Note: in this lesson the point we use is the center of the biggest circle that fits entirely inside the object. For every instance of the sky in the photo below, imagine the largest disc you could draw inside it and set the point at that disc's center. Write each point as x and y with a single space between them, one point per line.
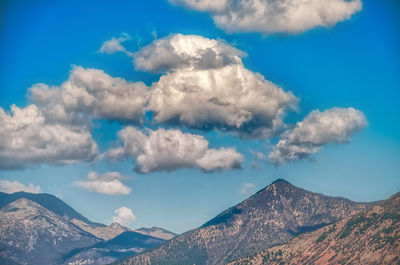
164 113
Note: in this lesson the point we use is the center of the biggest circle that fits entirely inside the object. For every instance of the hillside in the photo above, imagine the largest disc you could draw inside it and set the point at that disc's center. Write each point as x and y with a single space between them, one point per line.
370 237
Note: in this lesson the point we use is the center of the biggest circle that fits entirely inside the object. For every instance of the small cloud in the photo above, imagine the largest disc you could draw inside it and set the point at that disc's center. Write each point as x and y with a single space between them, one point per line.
113 45
257 158
108 183
15 186
259 155
124 216
247 188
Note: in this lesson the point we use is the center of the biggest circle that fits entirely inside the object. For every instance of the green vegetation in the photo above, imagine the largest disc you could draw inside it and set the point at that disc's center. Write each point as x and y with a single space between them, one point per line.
395 217
322 237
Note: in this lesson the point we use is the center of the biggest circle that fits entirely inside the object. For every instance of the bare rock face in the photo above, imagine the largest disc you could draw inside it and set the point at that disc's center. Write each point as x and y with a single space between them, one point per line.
31 234
271 217
369 237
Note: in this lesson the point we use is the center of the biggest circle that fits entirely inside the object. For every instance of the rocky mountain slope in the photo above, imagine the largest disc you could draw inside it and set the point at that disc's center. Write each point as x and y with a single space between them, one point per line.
31 234
369 237
156 232
127 243
272 216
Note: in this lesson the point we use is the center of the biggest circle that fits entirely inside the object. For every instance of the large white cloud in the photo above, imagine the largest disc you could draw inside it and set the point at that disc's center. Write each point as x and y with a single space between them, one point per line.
15 186
28 139
56 128
271 16
317 129
230 98
167 150
108 183
124 216
178 51
91 93
206 86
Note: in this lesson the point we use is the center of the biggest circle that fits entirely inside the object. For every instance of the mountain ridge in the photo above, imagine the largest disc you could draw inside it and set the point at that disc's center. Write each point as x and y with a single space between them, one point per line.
272 216
49 202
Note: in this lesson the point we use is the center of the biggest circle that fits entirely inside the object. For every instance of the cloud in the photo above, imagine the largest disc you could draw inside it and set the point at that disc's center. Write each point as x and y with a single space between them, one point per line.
335 125
246 188
258 159
177 51
124 216
202 5
91 93
108 183
258 155
15 186
114 44
207 87
271 16
231 98
168 150
28 139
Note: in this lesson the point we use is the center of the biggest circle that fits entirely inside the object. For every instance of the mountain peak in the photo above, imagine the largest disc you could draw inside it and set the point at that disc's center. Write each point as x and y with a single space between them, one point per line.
116 225
48 201
22 203
280 182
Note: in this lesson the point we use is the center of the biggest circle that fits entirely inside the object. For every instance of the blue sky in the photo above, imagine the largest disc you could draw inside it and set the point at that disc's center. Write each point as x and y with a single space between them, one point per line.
355 63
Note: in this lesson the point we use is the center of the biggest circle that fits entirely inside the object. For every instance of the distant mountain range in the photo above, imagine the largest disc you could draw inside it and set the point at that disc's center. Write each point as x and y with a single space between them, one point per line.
127 243
271 217
156 232
280 224
42 229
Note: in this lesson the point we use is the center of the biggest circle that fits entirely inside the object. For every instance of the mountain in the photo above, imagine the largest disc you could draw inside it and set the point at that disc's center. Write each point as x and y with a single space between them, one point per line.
50 202
41 229
32 234
271 217
370 237
127 243
157 232
104 232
